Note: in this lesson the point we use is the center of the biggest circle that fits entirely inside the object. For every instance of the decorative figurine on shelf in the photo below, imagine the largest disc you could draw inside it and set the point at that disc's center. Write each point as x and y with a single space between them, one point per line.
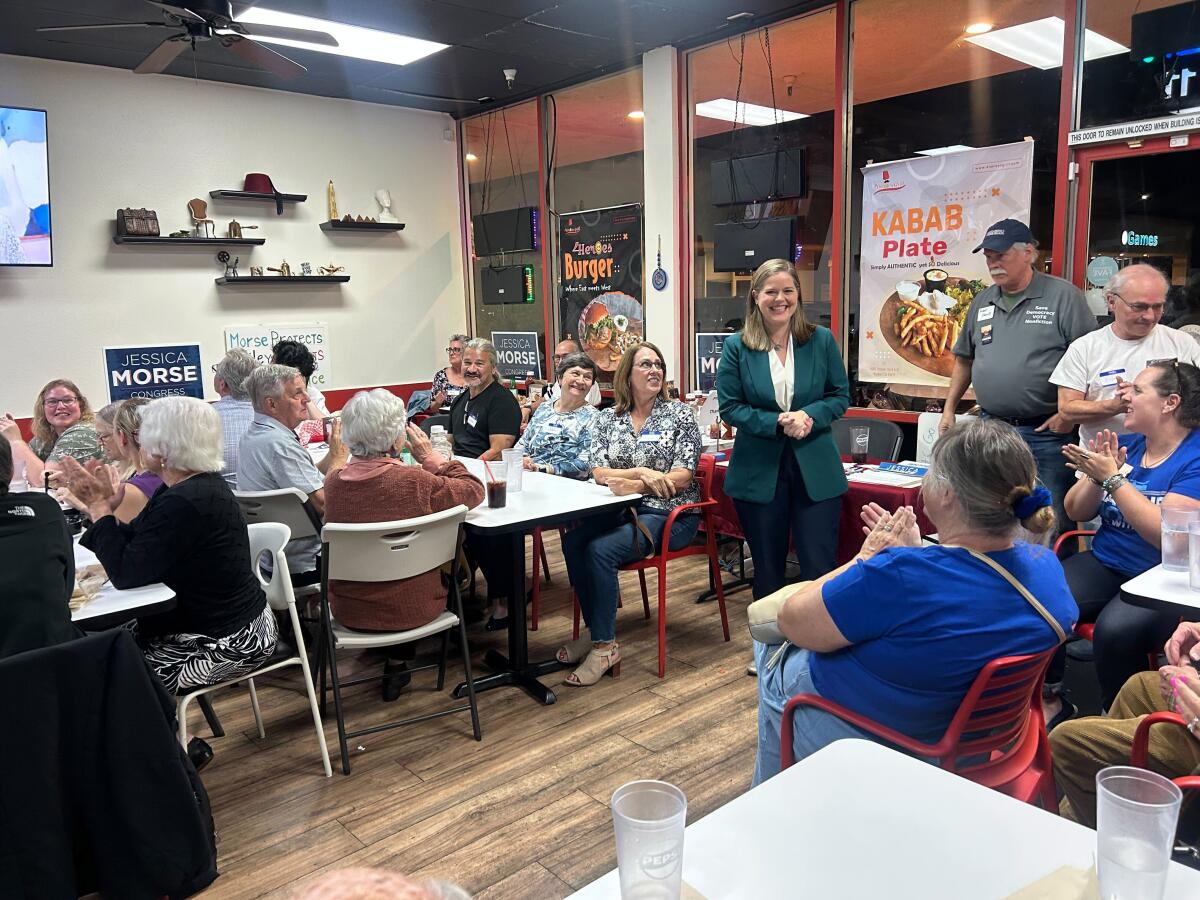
331 269
284 270
230 268
305 269
198 210
182 232
256 271
236 228
384 198
347 218
332 201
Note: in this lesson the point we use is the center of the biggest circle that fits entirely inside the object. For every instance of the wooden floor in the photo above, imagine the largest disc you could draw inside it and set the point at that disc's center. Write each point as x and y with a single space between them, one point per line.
522 814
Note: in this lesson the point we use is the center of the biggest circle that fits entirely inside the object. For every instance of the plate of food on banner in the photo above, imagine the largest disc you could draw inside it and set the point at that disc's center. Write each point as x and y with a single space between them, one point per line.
608 326
921 319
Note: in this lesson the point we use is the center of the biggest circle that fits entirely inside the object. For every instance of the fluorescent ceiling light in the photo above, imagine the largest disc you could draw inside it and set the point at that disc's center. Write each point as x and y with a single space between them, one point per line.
360 43
745 113
1040 43
938 151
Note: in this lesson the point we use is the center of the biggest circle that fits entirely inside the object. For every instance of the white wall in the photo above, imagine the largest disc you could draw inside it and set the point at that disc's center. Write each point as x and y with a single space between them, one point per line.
118 139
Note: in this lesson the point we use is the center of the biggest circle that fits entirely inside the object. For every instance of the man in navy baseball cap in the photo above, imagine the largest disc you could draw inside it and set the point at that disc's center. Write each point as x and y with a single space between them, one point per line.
1004 234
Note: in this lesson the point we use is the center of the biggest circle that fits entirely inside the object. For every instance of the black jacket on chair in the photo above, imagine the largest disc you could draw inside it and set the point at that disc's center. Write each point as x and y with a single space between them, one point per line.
95 792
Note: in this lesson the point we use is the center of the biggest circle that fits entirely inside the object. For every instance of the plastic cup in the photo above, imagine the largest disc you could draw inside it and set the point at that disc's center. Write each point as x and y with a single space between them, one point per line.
514 468
860 439
1175 523
648 819
497 494
1136 814
1194 555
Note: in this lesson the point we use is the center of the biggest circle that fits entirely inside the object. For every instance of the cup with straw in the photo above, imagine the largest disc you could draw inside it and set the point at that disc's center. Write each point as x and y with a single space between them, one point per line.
497 489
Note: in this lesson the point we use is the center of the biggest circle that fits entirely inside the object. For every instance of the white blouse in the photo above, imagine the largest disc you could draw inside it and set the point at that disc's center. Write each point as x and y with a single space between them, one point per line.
783 376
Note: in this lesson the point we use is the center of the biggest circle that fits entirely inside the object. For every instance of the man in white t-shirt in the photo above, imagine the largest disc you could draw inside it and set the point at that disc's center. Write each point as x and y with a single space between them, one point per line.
1092 372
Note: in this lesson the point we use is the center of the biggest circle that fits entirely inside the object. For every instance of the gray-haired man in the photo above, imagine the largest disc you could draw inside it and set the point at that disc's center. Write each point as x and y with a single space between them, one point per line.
234 407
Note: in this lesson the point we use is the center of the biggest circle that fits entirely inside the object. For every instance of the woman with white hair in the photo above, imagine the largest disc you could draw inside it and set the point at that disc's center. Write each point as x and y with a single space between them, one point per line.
192 537
375 486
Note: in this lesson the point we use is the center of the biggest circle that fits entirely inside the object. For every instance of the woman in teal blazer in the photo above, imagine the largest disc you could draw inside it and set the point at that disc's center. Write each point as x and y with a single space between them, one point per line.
781 383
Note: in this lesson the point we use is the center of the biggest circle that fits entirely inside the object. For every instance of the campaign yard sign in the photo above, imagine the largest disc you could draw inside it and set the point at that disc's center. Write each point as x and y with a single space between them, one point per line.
171 370
258 340
517 354
708 357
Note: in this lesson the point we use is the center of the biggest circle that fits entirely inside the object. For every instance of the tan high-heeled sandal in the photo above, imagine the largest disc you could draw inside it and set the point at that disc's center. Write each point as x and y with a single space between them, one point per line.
574 651
598 663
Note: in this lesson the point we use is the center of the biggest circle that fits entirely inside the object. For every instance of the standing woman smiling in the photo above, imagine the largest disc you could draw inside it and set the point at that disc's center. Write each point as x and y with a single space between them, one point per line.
781 383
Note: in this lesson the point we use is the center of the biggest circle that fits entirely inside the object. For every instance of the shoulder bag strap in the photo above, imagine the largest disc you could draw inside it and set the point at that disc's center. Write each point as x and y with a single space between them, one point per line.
1023 591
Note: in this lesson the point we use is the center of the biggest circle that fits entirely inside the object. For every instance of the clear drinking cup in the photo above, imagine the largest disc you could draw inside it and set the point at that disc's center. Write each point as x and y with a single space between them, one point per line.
860 439
1136 813
1175 524
648 818
1194 555
514 467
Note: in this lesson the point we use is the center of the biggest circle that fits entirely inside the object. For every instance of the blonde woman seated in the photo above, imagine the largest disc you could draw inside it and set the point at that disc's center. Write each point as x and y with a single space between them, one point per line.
375 486
899 633
117 428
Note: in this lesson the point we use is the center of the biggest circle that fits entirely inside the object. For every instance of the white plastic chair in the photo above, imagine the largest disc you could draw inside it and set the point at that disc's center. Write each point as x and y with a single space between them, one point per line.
287 506
269 537
390 551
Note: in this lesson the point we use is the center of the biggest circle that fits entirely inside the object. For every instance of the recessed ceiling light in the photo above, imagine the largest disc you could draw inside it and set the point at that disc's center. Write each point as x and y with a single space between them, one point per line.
1145 196
979 28
1040 43
470 157
938 151
354 41
635 114
745 113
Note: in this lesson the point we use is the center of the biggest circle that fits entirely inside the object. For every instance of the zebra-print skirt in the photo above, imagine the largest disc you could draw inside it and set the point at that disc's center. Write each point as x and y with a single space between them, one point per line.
187 661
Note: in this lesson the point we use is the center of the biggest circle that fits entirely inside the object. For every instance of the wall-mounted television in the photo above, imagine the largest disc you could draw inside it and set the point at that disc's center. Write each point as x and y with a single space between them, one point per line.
744 246
24 188
763 176
505 231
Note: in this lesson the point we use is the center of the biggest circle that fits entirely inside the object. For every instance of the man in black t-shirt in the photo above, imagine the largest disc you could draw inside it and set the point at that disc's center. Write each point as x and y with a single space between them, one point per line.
486 418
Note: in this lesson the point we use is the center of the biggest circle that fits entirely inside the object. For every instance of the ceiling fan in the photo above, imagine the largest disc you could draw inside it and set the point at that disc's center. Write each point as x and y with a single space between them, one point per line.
212 20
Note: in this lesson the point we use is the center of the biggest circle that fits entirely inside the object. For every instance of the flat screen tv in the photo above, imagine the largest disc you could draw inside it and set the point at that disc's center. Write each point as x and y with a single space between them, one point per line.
753 179
744 246
24 188
506 231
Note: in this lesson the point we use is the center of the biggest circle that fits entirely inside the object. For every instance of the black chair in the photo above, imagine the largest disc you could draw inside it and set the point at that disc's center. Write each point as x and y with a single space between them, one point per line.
883 442
443 420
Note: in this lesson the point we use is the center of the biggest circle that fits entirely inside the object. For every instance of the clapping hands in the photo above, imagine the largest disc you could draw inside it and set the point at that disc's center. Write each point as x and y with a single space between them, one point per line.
885 529
97 487
1103 458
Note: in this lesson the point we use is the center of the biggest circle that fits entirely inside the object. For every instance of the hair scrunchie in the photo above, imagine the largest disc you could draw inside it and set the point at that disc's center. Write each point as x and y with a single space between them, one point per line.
1027 506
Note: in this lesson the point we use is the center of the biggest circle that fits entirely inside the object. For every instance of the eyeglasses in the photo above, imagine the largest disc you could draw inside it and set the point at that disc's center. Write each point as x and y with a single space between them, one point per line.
647 365
453 350
1140 307
59 401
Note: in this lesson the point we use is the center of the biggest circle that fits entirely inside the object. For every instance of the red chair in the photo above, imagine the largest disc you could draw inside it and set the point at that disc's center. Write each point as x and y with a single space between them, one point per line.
997 737
539 553
658 562
1140 751
1083 629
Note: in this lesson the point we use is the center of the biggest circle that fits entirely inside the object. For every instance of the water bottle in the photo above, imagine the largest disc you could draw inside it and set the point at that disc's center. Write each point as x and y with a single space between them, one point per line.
440 440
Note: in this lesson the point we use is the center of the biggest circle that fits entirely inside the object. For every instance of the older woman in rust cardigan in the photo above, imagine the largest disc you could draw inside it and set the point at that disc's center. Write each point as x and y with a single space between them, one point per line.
375 486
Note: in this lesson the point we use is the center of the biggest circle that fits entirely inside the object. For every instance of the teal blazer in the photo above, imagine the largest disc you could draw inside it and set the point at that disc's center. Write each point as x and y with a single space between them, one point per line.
747 398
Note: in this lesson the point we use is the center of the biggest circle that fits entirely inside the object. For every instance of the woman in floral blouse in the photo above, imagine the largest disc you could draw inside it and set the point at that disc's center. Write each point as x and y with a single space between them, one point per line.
448 382
558 439
644 444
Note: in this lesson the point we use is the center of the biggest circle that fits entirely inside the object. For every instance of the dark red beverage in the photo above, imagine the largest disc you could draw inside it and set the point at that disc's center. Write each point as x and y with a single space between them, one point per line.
497 494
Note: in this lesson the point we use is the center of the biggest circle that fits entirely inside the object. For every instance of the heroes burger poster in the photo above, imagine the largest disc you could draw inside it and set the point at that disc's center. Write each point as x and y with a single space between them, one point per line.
600 299
921 218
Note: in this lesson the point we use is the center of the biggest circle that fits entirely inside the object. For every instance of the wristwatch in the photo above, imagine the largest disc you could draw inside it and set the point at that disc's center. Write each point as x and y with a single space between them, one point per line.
1112 483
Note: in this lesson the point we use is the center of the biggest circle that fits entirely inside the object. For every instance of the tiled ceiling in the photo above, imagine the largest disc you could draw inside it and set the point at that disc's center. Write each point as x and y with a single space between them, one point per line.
550 44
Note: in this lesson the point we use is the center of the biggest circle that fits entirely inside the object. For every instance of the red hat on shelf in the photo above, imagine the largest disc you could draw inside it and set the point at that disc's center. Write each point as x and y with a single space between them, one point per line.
258 183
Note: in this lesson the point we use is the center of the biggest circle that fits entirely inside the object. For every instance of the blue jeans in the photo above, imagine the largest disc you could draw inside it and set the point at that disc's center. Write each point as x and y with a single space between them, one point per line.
599 545
814 729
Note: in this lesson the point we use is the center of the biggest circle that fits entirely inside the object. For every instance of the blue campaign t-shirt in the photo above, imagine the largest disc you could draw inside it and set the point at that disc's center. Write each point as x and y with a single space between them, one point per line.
923 622
1116 544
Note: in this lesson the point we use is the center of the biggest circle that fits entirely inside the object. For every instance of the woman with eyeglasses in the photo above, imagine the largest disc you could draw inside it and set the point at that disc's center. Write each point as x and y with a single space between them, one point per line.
117 427
1129 480
448 382
643 444
63 425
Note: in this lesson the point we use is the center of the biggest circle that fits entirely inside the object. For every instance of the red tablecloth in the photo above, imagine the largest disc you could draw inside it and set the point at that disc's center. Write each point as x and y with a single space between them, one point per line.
850 535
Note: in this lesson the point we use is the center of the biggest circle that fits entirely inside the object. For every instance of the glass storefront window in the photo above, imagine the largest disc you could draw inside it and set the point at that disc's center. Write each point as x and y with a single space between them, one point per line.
501 159
942 91
762 164
1149 66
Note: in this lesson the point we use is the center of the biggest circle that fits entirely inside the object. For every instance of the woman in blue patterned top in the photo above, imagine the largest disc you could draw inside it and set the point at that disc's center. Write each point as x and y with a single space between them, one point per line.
558 439
644 444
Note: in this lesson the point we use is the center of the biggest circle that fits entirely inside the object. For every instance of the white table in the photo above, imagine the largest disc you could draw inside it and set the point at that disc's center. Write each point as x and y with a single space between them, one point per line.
857 819
113 607
545 501
1162 590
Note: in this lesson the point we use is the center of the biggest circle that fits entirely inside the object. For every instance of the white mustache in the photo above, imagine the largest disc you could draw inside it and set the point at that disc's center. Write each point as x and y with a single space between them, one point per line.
997 271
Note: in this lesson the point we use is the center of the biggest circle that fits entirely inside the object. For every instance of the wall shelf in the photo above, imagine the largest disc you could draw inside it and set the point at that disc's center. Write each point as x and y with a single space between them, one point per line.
339 225
285 279
187 241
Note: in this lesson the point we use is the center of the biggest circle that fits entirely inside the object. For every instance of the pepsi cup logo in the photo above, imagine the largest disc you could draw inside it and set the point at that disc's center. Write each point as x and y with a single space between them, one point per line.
661 865
860 440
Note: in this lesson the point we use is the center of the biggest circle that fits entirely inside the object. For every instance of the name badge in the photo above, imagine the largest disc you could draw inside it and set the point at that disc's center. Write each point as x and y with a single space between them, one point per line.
985 313
554 426
1109 378
985 334
649 437
472 421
